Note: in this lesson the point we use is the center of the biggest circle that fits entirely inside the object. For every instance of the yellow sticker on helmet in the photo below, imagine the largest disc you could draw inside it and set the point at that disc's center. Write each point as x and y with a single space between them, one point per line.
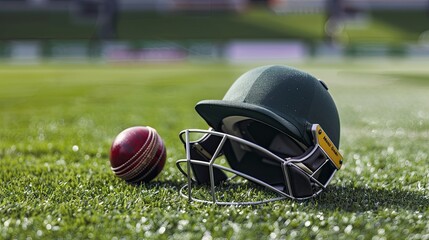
327 146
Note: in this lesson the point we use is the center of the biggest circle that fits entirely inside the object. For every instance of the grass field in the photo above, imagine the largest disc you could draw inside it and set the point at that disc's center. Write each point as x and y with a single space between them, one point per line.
391 27
57 123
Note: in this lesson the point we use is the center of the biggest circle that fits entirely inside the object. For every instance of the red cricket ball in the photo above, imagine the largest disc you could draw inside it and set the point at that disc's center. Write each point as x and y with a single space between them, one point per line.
137 154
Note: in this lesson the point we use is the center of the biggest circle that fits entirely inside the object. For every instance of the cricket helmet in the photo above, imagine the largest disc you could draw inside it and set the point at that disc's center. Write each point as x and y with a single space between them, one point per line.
276 126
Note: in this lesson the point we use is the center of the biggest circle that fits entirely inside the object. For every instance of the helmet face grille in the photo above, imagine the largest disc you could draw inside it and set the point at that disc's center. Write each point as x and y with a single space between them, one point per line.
299 177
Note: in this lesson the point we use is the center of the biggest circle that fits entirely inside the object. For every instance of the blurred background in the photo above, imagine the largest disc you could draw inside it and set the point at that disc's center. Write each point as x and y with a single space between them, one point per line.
32 31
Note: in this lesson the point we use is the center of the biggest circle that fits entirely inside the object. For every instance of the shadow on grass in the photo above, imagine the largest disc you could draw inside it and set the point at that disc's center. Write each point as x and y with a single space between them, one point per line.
360 199
334 198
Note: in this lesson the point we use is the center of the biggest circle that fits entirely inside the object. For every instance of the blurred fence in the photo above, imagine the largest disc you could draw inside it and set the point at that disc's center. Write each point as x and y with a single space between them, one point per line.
233 51
287 6
127 5
213 5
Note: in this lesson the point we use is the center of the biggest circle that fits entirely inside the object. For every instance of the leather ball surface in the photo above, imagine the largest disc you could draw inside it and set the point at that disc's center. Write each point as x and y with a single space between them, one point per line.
137 154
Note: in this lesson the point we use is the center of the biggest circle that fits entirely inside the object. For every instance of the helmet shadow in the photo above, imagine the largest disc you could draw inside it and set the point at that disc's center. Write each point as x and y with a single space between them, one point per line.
362 199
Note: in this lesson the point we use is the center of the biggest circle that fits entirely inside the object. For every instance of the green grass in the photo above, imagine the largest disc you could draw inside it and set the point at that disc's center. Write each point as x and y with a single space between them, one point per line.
50 191
392 27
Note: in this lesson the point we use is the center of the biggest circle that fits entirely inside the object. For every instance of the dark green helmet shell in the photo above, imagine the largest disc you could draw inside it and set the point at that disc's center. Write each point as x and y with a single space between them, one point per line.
280 96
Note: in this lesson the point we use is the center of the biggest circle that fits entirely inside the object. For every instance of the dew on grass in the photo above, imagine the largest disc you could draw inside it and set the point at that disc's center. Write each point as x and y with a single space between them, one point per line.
207 236
60 162
182 224
161 230
75 148
348 229
390 150
7 223
315 228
